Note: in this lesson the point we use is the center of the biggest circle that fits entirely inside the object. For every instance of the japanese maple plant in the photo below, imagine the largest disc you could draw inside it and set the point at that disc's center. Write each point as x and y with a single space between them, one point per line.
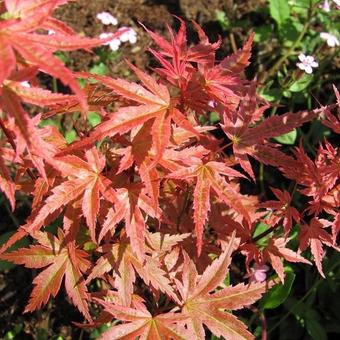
149 203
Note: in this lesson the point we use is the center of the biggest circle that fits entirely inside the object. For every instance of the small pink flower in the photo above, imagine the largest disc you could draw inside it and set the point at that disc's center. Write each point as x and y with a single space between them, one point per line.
331 39
258 274
107 19
307 63
325 6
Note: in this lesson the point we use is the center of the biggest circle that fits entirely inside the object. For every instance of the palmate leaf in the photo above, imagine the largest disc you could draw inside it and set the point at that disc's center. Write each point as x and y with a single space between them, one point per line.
126 118
124 262
204 306
222 82
18 35
177 49
283 209
155 105
315 237
63 260
85 182
247 138
143 325
208 176
36 95
28 137
238 61
276 250
131 201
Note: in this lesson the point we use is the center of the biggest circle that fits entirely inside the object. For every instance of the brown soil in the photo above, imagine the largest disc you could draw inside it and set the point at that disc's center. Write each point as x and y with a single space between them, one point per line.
155 15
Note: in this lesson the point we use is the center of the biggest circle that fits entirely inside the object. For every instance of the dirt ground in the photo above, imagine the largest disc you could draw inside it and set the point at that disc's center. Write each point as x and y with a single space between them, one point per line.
155 15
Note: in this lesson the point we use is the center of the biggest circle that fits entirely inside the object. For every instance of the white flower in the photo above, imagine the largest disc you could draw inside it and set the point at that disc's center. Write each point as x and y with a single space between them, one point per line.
105 35
114 43
25 84
331 39
129 35
337 2
133 38
50 32
307 63
107 19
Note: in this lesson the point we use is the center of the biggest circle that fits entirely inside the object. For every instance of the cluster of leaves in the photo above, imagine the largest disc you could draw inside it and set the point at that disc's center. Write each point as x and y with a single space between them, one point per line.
283 30
149 203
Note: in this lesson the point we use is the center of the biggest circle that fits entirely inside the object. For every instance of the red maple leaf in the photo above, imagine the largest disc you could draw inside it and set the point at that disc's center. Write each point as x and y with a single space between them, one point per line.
18 36
84 181
249 134
314 236
210 175
120 258
282 209
64 260
154 103
140 323
203 305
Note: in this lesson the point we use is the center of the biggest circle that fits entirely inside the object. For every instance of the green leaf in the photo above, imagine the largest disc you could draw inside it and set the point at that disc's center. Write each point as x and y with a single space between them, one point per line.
97 332
49 121
89 246
70 136
262 33
94 118
100 69
9 335
278 294
287 94
300 7
301 83
227 280
289 31
214 337
272 95
259 229
279 10
315 329
287 138
65 58
214 117
81 82
223 20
